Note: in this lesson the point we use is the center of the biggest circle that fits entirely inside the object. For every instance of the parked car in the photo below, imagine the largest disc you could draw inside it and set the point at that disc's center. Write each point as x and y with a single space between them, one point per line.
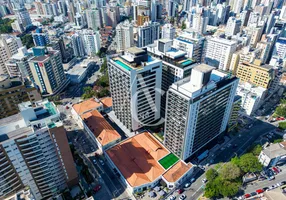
187 185
172 198
193 180
276 169
182 197
259 191
261 178
67 107
204 180
180 191
247 195
283 182
97 188
253 194
94 161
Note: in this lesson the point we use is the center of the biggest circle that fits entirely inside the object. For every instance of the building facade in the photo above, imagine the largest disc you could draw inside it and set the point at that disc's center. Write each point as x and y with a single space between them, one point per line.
148 33
124 36
47 70
168 32
135 79
40 38
198 110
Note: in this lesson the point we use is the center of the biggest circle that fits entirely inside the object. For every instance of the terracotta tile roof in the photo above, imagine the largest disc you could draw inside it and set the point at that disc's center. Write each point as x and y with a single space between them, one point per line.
107 102
101 129
86 106
137 158
177 171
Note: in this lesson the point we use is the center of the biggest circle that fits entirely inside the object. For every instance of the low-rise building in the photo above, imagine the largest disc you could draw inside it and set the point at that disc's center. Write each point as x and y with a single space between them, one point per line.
142 162
274 154
251 97
107 104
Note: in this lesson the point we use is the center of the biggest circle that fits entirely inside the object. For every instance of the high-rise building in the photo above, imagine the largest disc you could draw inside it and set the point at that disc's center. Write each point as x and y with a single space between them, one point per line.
148 33
23 17
112 16
39 8
40 38
141 19
34 152
47 70
63 7
94 19
237 7
200 22
47 9
198 110
124 35
168 31
91 42
172 8
192 43
13 92
233 26
8 47
175 65
71 11
156 10
218 52
79 21
135 81
280 48
78 45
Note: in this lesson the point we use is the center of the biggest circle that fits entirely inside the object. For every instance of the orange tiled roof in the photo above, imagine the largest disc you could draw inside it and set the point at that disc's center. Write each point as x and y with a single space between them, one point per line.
107 102
177 171
101 129
85 106
137 159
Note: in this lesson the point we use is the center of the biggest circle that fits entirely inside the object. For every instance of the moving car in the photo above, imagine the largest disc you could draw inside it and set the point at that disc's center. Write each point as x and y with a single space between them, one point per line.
97 188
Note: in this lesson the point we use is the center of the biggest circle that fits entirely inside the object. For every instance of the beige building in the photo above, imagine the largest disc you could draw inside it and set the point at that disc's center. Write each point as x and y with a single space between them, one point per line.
256 73
13 92
8 47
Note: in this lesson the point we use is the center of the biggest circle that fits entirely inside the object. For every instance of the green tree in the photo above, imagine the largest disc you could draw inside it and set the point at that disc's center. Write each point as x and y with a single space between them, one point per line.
183 25
278 141
103 68
213 188
255 150
249 163
88 93
281 111
27 40
211 174
229 171
103 93
282 125
103 81
235 161
229 188
5 25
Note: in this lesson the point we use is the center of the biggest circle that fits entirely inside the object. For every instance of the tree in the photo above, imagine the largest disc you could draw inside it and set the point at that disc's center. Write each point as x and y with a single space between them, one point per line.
235 161
103 81
255 150
229 188
88 93
249 163
278 141
229 171
282 125
103 68
103 93
27 40
5 25
213 188
281 111
211 174
183 25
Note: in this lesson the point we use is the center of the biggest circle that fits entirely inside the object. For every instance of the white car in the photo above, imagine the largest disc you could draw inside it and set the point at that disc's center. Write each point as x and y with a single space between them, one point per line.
182 197
172 198
187 185
204 180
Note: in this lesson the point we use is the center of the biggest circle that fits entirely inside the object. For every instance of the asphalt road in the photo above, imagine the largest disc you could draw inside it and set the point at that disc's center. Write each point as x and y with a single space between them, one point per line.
243 140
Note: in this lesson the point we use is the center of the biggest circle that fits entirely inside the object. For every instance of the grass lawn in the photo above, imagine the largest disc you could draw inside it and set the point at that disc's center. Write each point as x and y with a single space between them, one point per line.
168 160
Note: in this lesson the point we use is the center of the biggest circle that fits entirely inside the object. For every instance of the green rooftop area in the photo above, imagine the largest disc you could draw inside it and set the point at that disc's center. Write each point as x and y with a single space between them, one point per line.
123 65
52 125
168 160
187 62
51 109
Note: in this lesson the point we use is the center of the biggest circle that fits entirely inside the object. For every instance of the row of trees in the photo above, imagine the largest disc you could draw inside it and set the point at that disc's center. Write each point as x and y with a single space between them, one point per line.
280 110
227 180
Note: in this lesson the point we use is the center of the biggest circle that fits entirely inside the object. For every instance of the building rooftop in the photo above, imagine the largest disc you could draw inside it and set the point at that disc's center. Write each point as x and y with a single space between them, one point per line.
204 68
107 102
4 77
11 119
137 158
224 41
177 171
18 133
86 106
101 129
275 150
135 50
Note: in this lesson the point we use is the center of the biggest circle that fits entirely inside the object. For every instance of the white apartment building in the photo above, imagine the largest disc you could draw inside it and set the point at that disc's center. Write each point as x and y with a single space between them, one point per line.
94 18
124 35
251 97
91 41
77 45
198 110
34 152
148 33
218 52
168 32
233 26
200 23
192 43
135 81
274 154
8 47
